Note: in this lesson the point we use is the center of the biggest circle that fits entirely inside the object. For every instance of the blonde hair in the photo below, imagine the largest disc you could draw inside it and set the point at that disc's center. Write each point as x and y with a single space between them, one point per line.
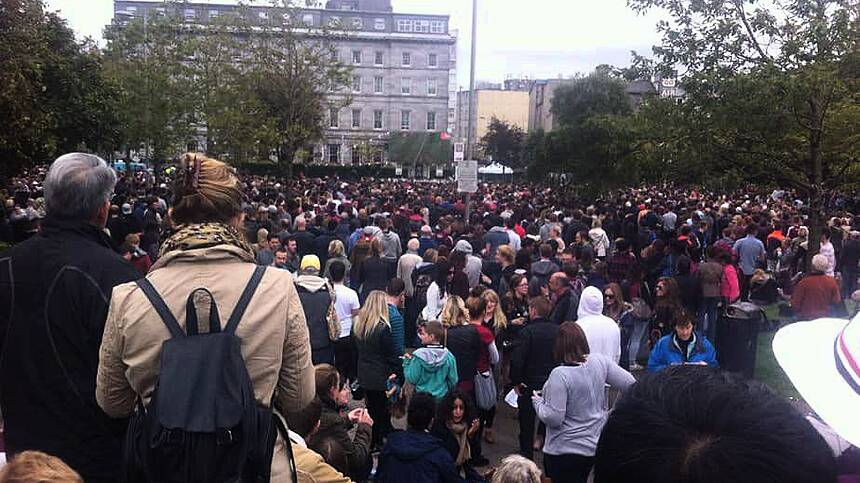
373 313
454 312
335 249
506 252
205 190
35 466
516 469
500 320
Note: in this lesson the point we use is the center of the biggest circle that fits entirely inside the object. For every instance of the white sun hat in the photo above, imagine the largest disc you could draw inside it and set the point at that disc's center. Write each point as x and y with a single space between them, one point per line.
822 359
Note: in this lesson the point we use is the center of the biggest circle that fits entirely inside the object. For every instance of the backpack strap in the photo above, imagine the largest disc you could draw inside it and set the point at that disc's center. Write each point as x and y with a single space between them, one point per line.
160 307
245 299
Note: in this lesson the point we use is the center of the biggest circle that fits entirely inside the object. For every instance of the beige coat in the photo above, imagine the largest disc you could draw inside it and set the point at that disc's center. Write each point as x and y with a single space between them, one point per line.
273 331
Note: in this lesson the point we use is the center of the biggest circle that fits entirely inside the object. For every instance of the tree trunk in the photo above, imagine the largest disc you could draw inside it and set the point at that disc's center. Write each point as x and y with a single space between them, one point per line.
285 161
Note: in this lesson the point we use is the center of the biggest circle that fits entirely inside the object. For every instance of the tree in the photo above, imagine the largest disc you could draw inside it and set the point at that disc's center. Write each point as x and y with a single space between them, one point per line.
594 94
54 96
772 90
504 142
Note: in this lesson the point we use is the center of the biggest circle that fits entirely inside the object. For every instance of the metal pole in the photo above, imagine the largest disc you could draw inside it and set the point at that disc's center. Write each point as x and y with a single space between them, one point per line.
472 99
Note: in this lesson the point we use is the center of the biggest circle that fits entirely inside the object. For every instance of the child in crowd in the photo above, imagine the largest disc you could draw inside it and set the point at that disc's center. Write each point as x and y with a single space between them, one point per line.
432 368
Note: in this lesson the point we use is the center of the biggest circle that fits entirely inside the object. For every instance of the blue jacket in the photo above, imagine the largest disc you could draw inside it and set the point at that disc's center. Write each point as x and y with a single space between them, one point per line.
667 352
415 457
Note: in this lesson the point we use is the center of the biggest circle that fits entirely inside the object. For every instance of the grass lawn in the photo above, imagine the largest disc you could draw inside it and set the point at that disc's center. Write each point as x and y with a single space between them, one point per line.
767 370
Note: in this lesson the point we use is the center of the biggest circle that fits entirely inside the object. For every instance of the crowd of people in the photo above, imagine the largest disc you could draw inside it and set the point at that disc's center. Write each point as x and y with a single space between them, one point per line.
335 307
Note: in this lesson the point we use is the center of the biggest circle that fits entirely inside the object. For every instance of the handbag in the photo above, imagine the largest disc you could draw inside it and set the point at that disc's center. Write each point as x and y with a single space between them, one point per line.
485 390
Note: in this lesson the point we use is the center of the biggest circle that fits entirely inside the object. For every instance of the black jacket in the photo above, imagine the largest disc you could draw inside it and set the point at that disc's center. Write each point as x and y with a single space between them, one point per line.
54 293
532 359
373 274
565 308
377 358
464 342
415 457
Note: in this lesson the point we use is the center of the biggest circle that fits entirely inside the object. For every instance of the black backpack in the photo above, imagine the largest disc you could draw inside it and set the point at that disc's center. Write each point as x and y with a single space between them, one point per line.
202 423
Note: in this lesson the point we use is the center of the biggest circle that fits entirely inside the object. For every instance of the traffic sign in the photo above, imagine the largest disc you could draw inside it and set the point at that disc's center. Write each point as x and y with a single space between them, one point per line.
459 151
467 176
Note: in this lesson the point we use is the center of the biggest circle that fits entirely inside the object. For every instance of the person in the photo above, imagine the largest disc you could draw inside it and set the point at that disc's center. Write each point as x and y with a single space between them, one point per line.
730 290
682 347
750 251
432 367
667 304
438 292
566 301
378 360
825 248
373 271
516 469
208 250
124 225
151 227
456 424
541 270
415 455
473 264
689 287
599 239
137 257
347 308
36 466
689 424
620 264
531 364
336 253
505 257
572 404
318 303
336 423
817 293
426 241
396 292
496 236
405 268
54 289
850 259
265 254
305 240
710 276
488 357
603 333
390 240
463 340
632 323
311 466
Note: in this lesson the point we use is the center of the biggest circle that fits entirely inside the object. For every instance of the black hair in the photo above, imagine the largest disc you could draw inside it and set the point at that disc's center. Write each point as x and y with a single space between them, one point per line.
446 407
699 425
337 271
422 409
304 421
332 452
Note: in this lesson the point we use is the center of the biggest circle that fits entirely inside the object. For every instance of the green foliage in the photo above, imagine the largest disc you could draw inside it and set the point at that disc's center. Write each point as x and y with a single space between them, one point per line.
54 97
593 95
504 142
419 148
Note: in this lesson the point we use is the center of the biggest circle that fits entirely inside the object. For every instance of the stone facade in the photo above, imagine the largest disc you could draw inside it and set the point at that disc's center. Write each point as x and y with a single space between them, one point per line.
511 106
403 70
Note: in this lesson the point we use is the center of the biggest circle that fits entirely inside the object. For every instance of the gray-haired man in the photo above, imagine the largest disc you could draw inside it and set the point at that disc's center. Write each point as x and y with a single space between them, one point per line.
54 293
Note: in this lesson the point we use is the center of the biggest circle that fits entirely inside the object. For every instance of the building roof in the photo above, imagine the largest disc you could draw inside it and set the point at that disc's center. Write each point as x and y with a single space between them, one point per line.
641 87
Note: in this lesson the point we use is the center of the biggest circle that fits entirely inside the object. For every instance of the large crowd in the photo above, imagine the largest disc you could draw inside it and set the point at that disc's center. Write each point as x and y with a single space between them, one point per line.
334 309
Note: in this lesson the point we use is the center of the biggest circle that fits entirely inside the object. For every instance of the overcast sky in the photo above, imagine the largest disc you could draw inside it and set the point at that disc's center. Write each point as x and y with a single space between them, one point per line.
534 38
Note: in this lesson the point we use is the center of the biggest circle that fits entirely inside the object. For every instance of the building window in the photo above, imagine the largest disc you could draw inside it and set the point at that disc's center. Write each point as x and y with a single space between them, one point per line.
377 155
356 155
333 115
452 115
404 25
213 14
406 59
356 118
437 27
160 11
263 15
377 119
406 86
432 60
131 9
356 57
334 22
333 153
379 24
356 83
308 20
377 84
431 87
377 58
422 26
356 23
405 120
431 121
190 14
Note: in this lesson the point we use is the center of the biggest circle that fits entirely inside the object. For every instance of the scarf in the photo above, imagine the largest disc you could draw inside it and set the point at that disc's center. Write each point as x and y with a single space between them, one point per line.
204 235
460 431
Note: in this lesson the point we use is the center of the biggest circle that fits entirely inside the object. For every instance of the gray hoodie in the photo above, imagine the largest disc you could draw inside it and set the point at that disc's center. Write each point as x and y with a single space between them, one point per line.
473 263
391 248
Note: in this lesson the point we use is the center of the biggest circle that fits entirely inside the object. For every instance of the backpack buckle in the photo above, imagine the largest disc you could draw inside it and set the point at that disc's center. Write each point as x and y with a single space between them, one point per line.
225 437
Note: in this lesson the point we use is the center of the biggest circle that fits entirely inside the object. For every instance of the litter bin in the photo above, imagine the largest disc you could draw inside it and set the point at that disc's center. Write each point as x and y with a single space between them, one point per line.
737 337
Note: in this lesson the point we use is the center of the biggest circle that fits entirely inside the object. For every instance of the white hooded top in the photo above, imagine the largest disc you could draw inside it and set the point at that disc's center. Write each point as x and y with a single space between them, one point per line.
602 333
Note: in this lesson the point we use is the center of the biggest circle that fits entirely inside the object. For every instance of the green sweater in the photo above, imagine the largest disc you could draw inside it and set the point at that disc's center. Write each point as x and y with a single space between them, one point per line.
431 369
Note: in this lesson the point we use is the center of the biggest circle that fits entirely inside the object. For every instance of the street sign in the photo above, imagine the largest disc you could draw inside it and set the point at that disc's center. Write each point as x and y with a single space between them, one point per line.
398 171
467 176
459 151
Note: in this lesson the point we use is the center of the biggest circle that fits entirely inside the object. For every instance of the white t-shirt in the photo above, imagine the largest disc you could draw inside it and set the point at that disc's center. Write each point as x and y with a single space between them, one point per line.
346 300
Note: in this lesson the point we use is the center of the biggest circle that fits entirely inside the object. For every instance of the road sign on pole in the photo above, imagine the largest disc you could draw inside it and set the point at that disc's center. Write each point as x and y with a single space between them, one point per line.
459 152
467 176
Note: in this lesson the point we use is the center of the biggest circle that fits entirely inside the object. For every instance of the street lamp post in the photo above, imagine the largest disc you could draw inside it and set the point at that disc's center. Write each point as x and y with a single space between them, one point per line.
472 100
